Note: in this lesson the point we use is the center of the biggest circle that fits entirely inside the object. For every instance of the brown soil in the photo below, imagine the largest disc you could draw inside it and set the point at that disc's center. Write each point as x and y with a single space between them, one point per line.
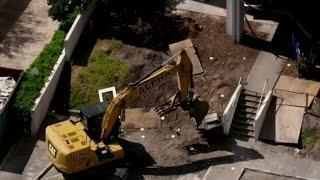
290 68
224 63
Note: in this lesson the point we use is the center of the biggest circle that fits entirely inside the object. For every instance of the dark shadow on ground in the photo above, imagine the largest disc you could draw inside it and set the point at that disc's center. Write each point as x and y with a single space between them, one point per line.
134 24
213 141
10 11
22 33
60 102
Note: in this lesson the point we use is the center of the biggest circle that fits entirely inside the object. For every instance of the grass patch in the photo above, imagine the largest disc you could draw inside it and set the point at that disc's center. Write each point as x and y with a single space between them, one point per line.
102 71
310 137
113 46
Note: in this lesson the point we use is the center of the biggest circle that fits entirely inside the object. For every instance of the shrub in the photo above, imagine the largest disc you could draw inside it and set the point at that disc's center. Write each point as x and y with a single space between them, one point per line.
37 74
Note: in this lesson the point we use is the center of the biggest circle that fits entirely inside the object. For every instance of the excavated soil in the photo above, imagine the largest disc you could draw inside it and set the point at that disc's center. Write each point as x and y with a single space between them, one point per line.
224 63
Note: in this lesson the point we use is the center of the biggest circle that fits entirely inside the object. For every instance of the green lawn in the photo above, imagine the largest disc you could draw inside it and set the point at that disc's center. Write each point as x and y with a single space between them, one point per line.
102 71
310 137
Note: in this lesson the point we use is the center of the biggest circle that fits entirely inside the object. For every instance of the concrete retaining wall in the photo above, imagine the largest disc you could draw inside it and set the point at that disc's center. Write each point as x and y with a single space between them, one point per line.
42 103
230 109
261 115
73 36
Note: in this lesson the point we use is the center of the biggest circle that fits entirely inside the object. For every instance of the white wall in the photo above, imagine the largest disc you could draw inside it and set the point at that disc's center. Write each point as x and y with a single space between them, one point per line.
261 115
74 34
230 109
42 103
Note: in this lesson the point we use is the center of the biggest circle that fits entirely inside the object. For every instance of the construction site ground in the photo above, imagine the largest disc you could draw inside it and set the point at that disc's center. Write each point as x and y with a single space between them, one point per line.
175 149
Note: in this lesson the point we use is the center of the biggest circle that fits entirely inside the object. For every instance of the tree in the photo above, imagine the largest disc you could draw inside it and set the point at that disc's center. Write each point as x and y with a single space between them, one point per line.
61 9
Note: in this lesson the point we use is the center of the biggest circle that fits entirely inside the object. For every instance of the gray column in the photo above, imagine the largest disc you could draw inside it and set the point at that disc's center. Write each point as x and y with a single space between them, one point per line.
235 17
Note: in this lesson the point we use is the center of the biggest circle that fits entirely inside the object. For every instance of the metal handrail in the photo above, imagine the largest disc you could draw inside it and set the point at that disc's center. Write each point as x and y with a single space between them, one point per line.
266 82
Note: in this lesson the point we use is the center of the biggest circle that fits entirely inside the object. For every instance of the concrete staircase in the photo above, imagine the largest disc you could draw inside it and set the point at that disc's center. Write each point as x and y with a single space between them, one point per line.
246 110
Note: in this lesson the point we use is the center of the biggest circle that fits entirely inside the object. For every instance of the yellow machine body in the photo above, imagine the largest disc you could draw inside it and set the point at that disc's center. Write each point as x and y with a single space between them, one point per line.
71 150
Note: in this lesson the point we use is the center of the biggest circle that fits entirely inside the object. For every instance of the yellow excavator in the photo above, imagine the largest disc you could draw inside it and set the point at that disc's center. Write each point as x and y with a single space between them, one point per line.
76 145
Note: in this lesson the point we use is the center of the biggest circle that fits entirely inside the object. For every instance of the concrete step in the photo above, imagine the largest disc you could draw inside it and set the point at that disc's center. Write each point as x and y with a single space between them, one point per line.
237 132
251 93
246 111
243 121
253 105
242 126
244 98
244 116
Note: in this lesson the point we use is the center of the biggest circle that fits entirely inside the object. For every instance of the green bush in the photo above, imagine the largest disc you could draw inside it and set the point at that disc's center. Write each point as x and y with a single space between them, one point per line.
37 74
102 71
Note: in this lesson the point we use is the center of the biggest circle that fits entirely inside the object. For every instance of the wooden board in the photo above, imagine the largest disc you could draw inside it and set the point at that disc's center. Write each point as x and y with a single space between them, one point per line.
288 123
187 44
292 91
137 118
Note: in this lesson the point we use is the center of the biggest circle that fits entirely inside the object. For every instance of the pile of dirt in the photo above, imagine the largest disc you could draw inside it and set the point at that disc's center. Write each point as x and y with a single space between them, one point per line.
224 62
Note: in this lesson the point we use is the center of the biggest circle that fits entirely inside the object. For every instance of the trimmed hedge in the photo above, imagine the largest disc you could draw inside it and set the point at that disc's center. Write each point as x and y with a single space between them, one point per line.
37 74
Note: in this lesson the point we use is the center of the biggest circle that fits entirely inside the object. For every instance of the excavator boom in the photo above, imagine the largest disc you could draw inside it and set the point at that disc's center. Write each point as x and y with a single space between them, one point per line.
182 66
73 146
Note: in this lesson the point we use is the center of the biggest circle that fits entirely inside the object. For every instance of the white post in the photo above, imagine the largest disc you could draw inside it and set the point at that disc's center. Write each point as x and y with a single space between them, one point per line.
235 17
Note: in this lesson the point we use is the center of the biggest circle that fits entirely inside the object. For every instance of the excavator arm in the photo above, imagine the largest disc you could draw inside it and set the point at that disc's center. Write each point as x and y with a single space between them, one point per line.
179 64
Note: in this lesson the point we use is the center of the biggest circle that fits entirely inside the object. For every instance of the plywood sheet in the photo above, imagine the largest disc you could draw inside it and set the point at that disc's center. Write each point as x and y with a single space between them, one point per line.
187 44
137 118
288 123
292 91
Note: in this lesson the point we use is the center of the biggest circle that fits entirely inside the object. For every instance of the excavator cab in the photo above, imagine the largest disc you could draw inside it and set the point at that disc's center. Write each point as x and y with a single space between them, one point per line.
91 118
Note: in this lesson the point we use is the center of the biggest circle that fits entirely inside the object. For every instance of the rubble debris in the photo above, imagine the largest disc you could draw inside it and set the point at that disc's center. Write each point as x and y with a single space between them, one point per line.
7 85
289 65
211 58
222 95
173 136
143 136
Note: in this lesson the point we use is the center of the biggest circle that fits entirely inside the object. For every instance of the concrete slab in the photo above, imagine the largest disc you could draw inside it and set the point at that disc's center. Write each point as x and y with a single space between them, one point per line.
188 46
27 37
137 118
250 174
293 91
195 6
266 68
10 176
223 173
288 124
285 114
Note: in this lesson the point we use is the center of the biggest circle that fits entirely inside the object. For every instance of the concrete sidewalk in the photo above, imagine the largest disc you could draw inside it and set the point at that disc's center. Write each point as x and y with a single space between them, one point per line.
272 162
266 68
33 29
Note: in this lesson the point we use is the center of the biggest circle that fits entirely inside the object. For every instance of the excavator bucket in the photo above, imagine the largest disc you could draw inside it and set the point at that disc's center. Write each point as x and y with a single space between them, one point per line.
188 46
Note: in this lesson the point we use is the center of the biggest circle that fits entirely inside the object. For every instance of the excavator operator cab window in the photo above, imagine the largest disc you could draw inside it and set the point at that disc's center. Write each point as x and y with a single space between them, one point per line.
91 118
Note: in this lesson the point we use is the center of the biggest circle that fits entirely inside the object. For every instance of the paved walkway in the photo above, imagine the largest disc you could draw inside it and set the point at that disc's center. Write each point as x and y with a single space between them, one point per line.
266 67
281 163
24 30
